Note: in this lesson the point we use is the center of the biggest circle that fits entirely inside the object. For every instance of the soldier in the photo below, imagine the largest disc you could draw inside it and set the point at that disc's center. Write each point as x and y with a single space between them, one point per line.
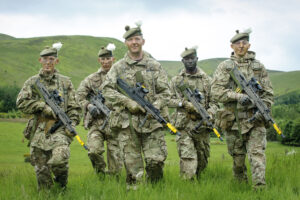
49 152
138 66
193 144
93 120
242 135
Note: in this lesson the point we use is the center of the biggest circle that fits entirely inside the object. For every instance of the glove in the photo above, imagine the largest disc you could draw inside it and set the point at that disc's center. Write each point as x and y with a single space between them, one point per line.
189 106
93 110
244 100
256 117
68 132
48 112
133 107
211 119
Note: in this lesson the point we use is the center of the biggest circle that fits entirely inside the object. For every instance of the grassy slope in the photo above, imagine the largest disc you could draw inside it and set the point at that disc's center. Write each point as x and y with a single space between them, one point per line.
78 56
285 82
17 179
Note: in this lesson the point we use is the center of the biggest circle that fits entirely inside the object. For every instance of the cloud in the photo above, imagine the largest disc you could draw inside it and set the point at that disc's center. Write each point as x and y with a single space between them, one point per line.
168 26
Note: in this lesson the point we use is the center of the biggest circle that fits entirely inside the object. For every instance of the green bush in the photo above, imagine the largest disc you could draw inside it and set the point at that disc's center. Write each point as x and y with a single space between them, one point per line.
8 96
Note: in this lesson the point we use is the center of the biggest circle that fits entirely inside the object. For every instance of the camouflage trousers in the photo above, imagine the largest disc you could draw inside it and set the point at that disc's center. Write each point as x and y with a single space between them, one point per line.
55 161
95 143
154 149
193 149
253 144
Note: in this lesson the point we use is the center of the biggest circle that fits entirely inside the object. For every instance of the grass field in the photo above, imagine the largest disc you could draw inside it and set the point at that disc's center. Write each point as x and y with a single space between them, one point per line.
17 178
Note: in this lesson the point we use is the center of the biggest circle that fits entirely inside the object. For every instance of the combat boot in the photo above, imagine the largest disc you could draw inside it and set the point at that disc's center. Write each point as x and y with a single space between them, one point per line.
154 172
62 180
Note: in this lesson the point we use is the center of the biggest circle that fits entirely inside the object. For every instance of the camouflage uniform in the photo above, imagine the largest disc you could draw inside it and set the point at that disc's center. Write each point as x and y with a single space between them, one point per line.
49 152
149 139
193 145
243 136
96 137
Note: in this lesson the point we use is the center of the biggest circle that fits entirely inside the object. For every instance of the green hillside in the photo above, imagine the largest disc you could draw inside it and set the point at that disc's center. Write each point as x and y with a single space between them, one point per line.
78 58
285 82
5 37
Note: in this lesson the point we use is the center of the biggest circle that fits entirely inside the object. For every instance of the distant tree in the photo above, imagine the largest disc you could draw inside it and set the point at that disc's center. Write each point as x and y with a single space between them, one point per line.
295 137
8 96
287 132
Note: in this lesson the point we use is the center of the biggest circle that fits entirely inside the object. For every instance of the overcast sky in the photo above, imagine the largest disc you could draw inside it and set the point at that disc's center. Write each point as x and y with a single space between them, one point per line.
168 25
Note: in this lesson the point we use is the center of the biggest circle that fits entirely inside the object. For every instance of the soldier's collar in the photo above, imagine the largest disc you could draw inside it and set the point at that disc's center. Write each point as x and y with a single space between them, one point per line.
131 62
250 55
48 76
101 71
197 74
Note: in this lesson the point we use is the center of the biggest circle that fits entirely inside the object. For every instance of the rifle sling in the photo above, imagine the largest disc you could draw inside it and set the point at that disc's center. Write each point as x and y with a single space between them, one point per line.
232 75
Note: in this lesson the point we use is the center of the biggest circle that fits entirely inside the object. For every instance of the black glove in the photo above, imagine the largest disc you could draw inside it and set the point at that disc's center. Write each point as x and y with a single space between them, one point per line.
245 100
93 110
257 117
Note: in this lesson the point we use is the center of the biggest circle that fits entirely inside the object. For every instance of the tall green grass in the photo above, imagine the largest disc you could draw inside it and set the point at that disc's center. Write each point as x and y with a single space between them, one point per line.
18 181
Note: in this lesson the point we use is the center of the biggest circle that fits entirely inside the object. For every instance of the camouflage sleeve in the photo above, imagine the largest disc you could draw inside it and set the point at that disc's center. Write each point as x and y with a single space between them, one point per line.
220 91
109 89
73 109
175 96
82 92
267 94
162 90
28 101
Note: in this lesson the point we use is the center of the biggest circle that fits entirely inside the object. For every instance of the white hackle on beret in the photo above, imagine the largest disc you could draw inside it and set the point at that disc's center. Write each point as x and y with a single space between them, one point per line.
111 47
195 47
248 31
57 45
139 23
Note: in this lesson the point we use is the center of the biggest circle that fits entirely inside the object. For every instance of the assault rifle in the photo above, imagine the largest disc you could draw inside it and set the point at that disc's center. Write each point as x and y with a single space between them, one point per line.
195 98
98 101
251 88
53 100
137 94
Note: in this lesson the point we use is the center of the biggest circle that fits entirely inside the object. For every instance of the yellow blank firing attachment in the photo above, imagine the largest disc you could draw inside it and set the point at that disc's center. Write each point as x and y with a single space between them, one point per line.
81 142
277 129
173 129
238 90
217 134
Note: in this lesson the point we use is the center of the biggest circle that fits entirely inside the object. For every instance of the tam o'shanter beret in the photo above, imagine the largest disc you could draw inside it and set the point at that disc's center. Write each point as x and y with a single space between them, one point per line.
188 52
133 31
243 35
51 51
106 51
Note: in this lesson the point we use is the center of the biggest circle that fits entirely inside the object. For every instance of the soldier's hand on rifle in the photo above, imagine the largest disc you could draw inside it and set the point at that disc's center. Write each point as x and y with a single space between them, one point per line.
256 117
48 112
134 107
244 99
70 134
93 110
189 106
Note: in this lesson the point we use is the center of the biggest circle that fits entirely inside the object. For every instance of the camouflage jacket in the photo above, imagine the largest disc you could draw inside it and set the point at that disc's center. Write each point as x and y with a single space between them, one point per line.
223 90
29 102
154 79
201 81
90 85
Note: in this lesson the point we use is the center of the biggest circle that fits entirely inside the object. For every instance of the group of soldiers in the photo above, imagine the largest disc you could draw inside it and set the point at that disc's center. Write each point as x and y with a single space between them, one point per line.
129 143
